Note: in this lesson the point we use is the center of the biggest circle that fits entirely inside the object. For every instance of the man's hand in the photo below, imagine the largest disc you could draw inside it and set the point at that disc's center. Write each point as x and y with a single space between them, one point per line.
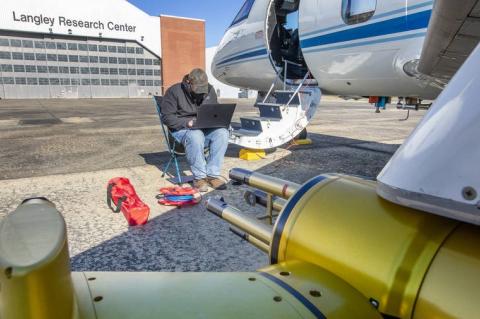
190 124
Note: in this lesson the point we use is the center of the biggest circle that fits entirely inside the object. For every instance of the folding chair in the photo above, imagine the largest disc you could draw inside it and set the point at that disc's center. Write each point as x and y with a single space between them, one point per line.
174 148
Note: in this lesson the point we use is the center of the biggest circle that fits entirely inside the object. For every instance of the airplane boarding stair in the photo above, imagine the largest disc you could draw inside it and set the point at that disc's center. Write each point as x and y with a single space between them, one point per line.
284 114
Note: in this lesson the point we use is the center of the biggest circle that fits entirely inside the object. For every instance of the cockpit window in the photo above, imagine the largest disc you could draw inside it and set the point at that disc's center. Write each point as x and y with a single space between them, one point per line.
358 11
244 12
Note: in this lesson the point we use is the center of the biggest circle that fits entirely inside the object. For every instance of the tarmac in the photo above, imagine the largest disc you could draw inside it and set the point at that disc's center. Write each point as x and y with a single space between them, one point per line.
67 150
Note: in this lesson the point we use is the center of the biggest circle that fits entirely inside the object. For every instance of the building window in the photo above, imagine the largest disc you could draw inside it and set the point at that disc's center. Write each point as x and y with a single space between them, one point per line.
95 81
102 48
141 61
132 72
17 55
112 49
82 47
114 82
141 82
18 68
8 80
20 81
113 71
43 81
149 82
112 60
65 81
73 46
74 70
131 61
105 82
32 81
130 50
42 69
29 56
156 72
85 70
358 11
156 62
93 59
85 81
148 61
92 48
30 68
63 69
140 72
40 44
149 72
61 46
4 43
244 12
54 81
122 71
27 43
122 61
5 55
50 45
15 43
139 50
103 59
62 58
94 70
73 58
124 82
53 69
7 68
157 83
75 81
121 49
51 57
104 71
40 57
83 58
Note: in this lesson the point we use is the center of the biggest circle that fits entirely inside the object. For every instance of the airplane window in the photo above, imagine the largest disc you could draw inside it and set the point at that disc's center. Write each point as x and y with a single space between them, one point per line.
244 12
358 11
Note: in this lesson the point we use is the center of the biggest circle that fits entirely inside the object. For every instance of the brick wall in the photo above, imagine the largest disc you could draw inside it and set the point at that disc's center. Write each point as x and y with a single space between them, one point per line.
183 48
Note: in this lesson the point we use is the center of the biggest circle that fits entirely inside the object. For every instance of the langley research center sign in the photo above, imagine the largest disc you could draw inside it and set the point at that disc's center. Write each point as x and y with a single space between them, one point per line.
66 22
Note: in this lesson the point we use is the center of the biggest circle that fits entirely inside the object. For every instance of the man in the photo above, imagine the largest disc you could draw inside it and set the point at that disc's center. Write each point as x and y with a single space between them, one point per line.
179 110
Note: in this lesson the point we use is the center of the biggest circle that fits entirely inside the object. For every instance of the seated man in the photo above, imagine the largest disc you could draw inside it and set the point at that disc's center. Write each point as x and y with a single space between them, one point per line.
179 110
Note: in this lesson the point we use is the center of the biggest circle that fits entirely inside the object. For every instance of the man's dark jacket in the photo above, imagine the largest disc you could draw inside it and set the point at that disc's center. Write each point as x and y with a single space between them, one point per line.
179 106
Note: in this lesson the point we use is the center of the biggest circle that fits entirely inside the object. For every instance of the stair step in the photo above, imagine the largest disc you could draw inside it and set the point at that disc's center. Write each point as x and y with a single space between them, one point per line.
243 132
252 124
282 97
270 110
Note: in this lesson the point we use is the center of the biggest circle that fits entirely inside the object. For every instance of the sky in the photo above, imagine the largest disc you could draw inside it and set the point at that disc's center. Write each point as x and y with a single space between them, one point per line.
218 14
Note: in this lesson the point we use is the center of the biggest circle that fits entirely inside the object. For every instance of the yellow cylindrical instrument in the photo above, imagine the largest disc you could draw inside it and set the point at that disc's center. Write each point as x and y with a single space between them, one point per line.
404 261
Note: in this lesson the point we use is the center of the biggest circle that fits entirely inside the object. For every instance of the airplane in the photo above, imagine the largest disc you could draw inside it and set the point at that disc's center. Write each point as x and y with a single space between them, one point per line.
351 48
402 246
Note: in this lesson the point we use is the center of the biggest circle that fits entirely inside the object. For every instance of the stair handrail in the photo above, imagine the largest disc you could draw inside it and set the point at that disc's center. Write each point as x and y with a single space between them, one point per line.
297 90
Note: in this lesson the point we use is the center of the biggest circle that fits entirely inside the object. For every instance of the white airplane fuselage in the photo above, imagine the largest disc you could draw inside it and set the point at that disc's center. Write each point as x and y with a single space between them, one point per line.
368 58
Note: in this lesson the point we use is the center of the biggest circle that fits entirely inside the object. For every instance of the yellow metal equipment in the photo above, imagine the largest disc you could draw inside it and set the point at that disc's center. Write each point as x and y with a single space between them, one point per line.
337 250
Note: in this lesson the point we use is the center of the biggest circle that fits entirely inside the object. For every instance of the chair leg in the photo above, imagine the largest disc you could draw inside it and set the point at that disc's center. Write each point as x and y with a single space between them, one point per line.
178 170
165 170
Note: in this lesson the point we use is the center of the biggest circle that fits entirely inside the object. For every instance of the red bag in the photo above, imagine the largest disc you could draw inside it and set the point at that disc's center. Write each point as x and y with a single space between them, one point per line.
124 197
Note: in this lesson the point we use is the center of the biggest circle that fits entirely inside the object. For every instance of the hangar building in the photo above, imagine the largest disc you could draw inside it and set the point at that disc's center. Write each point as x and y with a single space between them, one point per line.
93 49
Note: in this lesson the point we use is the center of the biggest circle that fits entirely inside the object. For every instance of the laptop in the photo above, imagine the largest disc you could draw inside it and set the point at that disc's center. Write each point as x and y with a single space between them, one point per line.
214 116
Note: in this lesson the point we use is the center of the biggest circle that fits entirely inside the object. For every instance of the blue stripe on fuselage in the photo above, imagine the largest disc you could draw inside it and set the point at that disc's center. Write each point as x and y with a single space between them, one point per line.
401 24
405 23
244 56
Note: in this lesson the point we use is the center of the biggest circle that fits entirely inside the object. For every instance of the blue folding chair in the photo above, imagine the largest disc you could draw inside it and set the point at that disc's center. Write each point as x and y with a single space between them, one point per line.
174 148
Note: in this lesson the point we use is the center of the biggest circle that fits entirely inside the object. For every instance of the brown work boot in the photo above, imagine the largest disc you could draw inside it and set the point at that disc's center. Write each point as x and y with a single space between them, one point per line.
217 183
201 185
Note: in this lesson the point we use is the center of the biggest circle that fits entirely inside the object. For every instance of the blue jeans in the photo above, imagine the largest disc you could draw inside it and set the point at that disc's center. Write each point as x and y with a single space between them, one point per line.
195 141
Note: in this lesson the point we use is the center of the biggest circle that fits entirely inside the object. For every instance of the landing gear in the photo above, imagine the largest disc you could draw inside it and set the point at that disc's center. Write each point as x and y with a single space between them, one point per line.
303 135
